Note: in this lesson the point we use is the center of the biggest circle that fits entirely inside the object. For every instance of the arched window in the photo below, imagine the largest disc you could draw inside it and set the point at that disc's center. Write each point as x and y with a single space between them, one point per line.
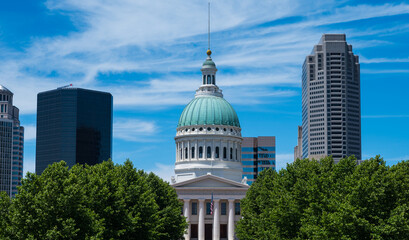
217 152
186 153
193 152
213 81
231 153
209 152
204 79
209 80
200 152
224 152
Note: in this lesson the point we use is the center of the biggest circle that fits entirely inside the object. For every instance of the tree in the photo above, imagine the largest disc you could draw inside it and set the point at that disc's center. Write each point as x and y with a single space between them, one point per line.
323 200
104 201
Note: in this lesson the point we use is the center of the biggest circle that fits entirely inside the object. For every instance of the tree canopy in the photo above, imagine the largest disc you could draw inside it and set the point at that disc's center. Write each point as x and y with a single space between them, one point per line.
323 200
104 201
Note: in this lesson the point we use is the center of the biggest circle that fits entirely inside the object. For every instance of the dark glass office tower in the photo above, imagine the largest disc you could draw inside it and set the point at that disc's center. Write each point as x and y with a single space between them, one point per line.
74 125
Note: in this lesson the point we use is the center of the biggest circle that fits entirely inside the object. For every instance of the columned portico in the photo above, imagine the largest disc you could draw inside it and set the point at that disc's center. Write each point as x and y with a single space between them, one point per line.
216 219
230 225
197 194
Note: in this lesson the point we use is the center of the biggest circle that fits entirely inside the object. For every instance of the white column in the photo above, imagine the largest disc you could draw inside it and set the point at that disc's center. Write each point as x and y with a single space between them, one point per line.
216 219
201 233
196 150
186 211
230 224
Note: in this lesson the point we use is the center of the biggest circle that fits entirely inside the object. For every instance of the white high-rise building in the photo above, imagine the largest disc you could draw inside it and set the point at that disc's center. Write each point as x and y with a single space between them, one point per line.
11 144
331 106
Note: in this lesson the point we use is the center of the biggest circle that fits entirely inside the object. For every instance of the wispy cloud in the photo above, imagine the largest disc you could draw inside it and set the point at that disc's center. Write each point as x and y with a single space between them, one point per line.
29 132
164 171
283 159
383 60
385 116
141 37
134 130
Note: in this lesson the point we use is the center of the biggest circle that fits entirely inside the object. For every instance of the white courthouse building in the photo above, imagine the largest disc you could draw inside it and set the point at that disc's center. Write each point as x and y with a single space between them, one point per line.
208 162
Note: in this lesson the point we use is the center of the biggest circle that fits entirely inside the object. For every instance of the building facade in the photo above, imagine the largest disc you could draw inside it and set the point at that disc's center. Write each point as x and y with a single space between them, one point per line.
298 148
74 125
208 162
331 107
11 144
257 154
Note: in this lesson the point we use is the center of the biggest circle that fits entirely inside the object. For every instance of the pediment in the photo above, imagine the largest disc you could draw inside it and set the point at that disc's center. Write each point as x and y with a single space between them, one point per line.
210 181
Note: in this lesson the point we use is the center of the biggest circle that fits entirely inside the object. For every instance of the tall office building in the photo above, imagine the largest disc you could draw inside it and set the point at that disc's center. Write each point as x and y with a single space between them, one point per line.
11 144
331 108
298 148
74 125
257 154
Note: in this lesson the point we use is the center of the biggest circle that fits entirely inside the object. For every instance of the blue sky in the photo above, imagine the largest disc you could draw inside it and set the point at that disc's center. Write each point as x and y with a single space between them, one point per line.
148 54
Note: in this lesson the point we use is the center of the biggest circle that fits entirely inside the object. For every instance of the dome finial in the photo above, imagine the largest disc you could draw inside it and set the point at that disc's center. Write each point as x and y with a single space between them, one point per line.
209 52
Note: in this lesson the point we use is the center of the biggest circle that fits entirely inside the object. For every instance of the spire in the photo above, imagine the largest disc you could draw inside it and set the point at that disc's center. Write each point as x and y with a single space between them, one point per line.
209 70
208 30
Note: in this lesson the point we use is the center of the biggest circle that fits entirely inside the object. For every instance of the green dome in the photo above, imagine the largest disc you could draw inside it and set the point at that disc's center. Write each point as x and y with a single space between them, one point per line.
209 62
209 110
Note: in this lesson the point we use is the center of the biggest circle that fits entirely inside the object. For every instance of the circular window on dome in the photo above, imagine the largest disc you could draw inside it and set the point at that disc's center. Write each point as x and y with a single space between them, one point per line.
208 129
231 130
224 129
193 129
186 130
217 129
200 129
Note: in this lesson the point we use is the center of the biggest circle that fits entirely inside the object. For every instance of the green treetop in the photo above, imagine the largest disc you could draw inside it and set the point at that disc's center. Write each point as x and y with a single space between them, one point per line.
104 201
323 200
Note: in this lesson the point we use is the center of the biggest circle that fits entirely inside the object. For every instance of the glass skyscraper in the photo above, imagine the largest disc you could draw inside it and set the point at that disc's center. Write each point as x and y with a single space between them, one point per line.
74 125
257 154
11 144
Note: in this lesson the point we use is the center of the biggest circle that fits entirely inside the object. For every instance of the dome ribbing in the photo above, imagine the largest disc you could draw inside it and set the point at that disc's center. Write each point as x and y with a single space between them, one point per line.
209 110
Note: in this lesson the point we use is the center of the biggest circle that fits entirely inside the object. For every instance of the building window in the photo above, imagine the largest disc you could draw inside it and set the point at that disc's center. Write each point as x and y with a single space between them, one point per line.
209 81
204 79
209 152
208 208
213 81
231 153
194 208
224 152
193 152
237 208
186 153
223 209
236 154
200 152
217 152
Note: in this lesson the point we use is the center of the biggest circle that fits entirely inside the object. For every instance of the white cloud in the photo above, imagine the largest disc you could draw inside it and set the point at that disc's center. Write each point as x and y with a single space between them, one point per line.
158 37
164 171
283 159
29 165
29 132
385 116
134 130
